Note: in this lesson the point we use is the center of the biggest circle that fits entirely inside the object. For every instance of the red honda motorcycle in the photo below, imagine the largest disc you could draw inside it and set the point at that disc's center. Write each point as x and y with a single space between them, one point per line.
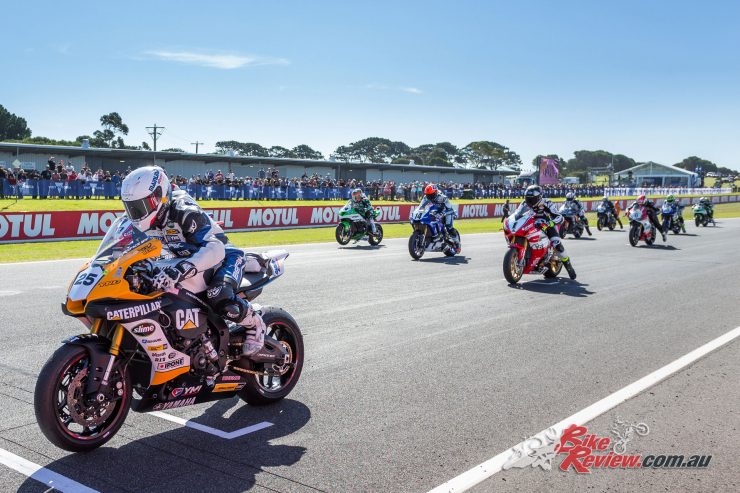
641 228
530 250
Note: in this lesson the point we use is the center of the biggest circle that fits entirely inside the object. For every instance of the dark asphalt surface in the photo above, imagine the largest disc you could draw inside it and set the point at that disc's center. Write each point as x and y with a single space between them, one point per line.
418 371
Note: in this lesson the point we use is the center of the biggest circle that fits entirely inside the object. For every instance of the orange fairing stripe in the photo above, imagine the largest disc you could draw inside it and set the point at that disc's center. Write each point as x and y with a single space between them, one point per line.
161 377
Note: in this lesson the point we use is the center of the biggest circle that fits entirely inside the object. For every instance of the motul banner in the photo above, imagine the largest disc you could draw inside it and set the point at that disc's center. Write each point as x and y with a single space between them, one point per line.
18 227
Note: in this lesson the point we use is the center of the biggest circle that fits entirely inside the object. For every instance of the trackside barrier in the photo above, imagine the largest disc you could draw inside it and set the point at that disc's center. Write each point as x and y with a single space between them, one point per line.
19 227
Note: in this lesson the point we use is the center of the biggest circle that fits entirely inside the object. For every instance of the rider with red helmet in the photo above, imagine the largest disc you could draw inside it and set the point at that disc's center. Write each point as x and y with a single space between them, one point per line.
652 212
433 196
547 219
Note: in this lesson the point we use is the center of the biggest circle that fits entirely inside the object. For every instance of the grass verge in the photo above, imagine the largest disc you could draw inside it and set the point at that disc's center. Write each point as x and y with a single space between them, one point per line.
24 252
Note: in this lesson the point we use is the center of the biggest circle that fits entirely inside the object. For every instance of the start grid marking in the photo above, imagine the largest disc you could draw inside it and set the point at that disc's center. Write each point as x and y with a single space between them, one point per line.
208 429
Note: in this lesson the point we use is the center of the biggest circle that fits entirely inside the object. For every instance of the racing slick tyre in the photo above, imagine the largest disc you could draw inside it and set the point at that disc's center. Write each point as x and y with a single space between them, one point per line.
342 234
375 239
651 239
261 390
552 272
65 416
450 251
577 233
416 245
599 224
612 225
512 272
697 221
634 235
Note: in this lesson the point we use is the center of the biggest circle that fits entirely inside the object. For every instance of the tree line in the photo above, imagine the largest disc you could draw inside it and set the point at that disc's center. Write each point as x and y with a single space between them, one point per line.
481 154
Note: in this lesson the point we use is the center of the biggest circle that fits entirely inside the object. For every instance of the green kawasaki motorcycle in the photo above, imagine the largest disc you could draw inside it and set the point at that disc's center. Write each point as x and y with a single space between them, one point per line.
701 216
352 226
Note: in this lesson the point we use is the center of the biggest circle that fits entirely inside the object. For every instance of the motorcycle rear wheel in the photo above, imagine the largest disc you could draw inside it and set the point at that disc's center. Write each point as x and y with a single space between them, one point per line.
261 390
449 251
552 273
512 272
375 239
51 401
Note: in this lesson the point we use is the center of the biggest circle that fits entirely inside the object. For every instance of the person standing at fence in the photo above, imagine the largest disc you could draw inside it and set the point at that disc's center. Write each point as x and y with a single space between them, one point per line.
505 210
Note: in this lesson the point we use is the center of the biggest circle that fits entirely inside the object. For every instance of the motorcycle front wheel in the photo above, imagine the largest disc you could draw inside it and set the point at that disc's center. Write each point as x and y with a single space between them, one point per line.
697 221
635 233
261 390
512 272
342 234
599 224
416 245
65 416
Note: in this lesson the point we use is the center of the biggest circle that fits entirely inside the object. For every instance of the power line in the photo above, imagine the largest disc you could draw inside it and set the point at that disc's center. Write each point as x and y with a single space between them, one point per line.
155 132
196 144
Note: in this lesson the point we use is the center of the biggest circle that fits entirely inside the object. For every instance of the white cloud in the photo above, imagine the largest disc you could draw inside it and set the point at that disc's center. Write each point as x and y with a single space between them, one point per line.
221 61
383 87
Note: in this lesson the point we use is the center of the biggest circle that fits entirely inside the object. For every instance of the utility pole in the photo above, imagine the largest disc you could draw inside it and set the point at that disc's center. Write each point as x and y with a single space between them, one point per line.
196 144
155 132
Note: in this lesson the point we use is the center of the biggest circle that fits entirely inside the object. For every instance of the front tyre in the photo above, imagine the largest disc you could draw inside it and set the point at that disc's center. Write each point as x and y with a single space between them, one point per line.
342 234
416 245
512 272
635 233
261 390
375 239
65 416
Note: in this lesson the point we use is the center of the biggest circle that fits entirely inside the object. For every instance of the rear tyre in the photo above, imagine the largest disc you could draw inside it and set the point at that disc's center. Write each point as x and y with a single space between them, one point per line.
634 234
416 245
342 234
450 251
375 239
261 390
60 407
512 272
553 272
612 225
653 236
577 233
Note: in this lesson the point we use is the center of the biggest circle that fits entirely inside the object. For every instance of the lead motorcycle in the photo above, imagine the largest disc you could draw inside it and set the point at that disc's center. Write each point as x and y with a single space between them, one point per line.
530 250
167 347
430 235
641 228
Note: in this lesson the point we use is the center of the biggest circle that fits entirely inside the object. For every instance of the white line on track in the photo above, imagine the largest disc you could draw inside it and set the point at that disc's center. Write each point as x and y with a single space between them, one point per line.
41 474
494 465
213 431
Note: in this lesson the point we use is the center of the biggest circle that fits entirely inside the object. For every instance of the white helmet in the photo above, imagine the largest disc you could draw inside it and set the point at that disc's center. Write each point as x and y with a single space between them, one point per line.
145 193
570 196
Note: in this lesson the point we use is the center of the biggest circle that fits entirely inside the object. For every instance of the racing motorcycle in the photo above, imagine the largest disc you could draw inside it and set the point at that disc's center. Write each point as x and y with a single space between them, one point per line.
572 223
530 250
701 216
167 347
605 219
672 219
430 235
641 228
352 226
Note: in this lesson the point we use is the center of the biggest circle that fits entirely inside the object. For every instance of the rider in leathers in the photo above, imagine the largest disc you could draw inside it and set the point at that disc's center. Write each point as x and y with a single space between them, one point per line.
547 220
609 206
652 212
363 207
191 234
432 195
570 198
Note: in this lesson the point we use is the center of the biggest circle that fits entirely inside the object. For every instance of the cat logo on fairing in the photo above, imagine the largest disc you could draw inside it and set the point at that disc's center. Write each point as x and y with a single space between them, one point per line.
187 319
144 330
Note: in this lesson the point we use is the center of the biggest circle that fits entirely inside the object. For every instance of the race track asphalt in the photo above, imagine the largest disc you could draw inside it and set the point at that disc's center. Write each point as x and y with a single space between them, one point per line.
418 371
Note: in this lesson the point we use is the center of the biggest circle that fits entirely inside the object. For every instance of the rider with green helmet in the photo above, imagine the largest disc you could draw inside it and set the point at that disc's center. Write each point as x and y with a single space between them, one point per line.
362 205
678 207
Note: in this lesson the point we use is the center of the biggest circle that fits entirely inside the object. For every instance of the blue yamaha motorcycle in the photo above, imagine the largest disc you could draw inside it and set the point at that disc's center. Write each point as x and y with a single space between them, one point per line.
430 234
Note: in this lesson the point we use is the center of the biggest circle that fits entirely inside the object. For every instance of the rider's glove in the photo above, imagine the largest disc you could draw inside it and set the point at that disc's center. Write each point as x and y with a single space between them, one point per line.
169 276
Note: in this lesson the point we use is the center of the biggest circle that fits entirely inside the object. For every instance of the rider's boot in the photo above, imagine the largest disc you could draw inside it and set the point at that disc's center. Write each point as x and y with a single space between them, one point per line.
256 329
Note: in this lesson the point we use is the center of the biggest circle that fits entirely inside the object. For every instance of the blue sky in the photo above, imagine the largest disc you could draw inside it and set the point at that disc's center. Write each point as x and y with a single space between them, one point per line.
656 80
